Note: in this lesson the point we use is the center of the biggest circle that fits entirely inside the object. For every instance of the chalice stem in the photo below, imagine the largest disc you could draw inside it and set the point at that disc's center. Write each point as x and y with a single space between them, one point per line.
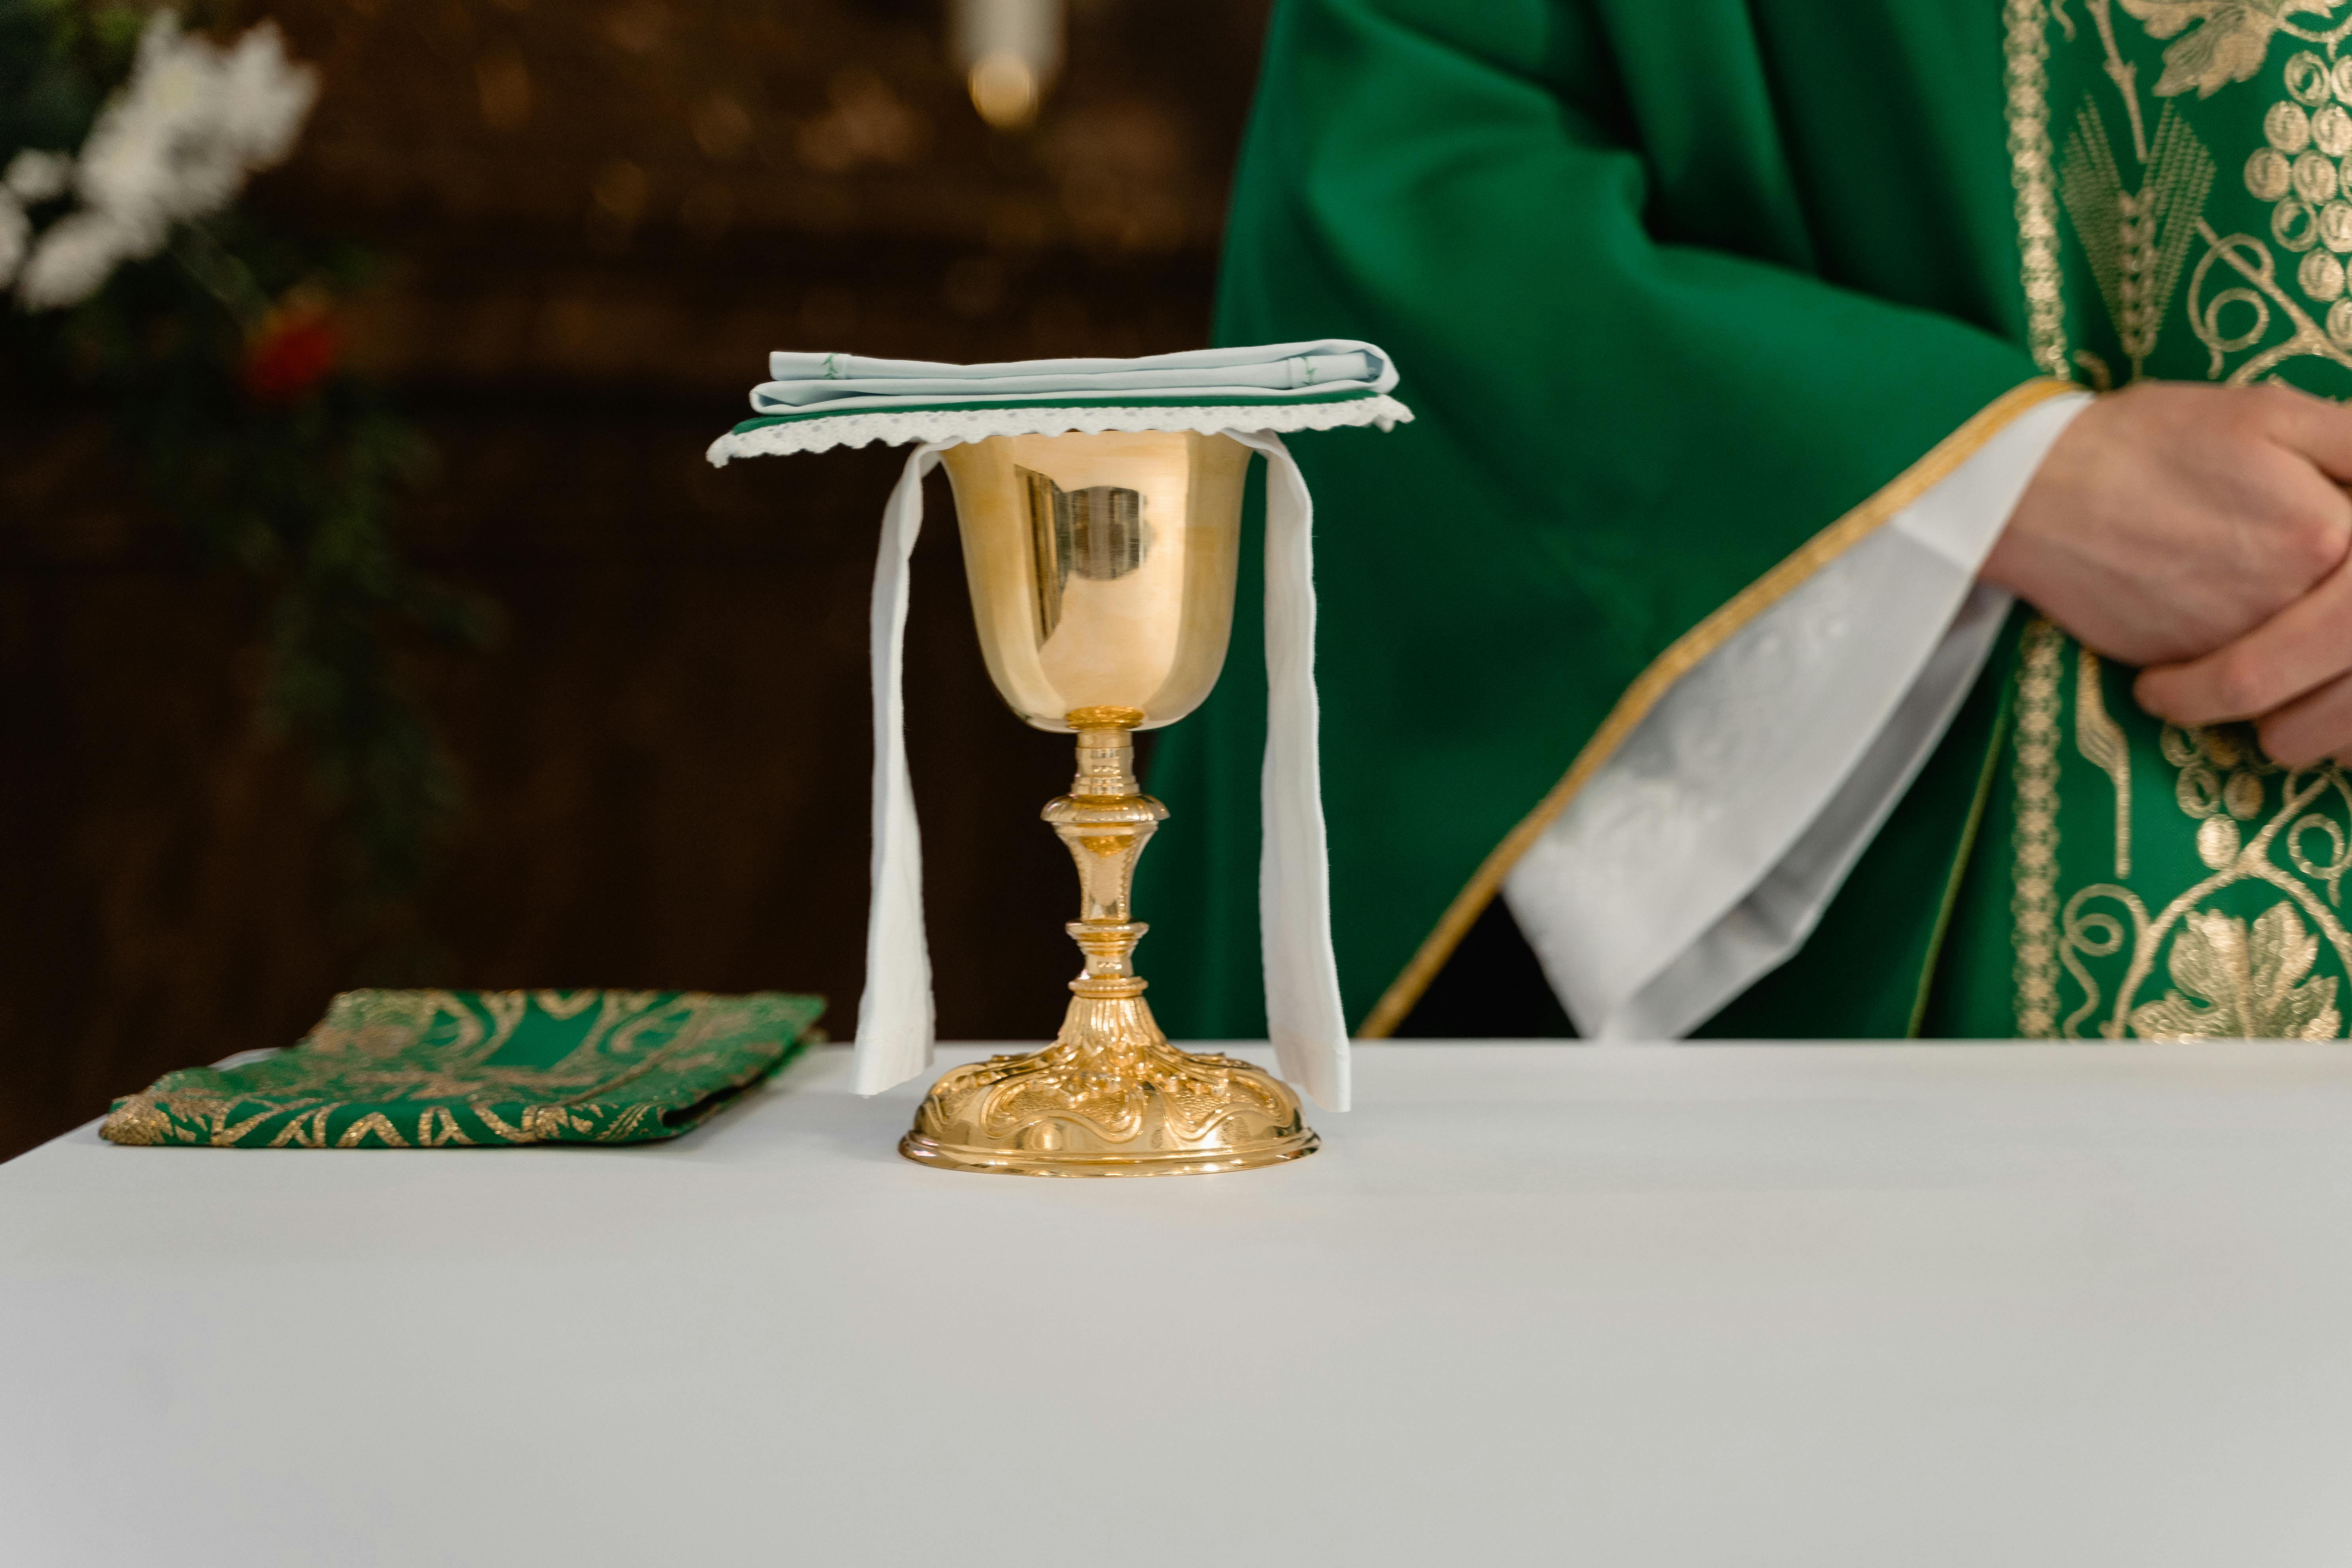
1110 1097
1105 820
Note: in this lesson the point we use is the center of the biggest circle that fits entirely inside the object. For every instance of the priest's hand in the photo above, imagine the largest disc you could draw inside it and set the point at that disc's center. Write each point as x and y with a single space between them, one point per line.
2171 518
2292 675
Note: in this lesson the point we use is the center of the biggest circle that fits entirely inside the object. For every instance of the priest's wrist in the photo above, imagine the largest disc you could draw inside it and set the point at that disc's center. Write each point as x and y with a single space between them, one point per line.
2171 519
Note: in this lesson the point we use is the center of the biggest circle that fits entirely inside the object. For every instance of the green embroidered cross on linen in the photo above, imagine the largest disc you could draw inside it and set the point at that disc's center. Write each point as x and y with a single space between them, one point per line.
423 1070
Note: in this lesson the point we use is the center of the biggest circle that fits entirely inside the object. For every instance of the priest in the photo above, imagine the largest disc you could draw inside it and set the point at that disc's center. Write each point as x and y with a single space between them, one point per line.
1871 558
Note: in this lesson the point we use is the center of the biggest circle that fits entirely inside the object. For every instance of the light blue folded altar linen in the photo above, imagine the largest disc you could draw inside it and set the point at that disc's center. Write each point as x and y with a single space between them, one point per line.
843 383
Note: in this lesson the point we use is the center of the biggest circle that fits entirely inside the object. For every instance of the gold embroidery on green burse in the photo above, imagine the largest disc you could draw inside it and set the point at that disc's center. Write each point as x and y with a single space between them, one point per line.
423 1070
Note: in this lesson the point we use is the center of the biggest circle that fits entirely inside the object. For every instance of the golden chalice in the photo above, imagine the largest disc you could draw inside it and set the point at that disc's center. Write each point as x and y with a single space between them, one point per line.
1101 569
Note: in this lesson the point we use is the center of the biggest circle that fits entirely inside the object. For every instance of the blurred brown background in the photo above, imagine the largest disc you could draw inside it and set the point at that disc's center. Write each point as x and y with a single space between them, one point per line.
600 218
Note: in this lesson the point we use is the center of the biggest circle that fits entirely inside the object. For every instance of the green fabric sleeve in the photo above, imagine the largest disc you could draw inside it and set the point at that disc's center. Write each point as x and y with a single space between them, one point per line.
1651 354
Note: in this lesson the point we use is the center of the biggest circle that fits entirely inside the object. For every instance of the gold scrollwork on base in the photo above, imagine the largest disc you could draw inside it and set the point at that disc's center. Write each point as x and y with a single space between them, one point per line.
1110 1097
1159 1110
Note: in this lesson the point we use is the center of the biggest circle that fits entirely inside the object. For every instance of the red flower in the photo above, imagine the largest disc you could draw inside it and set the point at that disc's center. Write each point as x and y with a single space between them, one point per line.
294 350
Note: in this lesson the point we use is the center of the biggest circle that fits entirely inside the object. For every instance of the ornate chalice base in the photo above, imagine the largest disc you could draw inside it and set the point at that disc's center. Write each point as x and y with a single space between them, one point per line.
1110 1097
1130 1106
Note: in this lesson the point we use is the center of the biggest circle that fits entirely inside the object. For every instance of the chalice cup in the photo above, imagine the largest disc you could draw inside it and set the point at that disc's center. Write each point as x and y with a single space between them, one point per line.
1101 569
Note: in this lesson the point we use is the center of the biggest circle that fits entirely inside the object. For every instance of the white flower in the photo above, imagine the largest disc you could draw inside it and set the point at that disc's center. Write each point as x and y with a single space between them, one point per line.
175 144
75 257
16 228
32 176
35 176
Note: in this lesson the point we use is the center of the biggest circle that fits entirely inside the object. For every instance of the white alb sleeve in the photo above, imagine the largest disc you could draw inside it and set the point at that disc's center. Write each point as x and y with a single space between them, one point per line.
1702 853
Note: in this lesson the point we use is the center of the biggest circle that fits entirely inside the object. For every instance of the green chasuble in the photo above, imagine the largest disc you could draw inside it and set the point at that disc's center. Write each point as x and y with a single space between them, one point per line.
1689 297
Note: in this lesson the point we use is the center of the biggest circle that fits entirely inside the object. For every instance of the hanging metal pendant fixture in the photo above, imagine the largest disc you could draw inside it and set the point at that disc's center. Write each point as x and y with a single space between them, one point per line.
1010 51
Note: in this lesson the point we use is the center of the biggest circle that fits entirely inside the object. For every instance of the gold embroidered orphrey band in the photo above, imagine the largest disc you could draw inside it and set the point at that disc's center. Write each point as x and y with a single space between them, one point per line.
1682 656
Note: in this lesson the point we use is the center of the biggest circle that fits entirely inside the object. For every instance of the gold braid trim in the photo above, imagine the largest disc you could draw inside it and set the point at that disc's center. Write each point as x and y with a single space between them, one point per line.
2028 54
1682 656
2033 903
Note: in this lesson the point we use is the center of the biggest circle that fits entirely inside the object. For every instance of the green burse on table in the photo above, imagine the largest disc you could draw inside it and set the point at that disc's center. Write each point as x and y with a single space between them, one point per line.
428 1069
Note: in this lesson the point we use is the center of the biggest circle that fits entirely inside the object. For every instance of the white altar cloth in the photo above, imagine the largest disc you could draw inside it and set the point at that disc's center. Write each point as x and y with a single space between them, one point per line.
1731 1307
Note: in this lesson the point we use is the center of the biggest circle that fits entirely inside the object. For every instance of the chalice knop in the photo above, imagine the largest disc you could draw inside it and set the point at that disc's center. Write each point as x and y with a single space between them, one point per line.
1101 569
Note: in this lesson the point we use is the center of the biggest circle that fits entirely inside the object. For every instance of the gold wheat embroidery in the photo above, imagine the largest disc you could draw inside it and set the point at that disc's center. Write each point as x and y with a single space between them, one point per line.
2100 740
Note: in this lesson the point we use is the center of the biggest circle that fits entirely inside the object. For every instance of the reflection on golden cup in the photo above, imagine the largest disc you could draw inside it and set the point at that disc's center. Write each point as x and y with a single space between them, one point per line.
1101 569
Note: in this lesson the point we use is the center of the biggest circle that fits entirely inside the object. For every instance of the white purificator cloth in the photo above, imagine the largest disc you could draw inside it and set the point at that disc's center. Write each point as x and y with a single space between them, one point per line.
1247 394
812 380
1702 854
824 400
